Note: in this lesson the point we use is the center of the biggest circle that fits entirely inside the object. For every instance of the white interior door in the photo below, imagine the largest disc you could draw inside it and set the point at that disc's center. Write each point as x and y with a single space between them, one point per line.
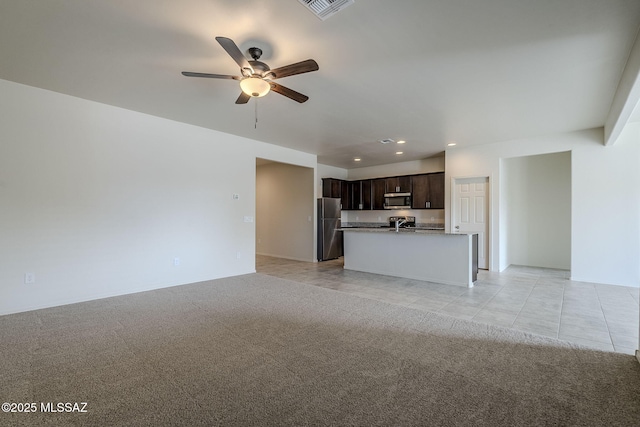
471 211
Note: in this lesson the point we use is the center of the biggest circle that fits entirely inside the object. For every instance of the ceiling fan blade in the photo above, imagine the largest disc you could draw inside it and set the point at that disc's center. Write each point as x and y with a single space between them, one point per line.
243 98
297 68
211 76
233 51
289 93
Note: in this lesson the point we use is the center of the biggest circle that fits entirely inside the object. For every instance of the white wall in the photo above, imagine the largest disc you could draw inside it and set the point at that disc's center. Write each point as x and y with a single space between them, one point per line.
537 202
98 201
431 164
604 199
285 214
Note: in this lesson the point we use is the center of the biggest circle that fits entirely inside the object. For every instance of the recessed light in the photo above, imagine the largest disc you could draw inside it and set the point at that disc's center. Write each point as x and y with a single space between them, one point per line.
399 152
451 144
401 142
357 159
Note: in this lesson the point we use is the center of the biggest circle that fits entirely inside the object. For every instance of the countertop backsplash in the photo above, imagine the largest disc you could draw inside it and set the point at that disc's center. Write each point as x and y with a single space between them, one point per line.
425 218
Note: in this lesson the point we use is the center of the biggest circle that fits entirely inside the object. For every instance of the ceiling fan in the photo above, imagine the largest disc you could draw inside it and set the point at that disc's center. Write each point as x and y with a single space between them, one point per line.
256 77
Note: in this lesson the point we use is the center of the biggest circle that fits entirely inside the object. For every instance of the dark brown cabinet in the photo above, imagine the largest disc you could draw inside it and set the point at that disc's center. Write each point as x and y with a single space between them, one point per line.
345 195
427 191
365 190
398 184
356 195
378 188
331 187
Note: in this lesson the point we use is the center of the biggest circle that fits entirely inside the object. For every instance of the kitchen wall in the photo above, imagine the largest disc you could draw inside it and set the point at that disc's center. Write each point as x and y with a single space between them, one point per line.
431 164
285 214
537 210
99 201
423 216
605 206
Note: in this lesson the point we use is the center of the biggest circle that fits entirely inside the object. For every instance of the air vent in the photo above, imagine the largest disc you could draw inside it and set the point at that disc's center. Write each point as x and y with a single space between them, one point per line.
326 8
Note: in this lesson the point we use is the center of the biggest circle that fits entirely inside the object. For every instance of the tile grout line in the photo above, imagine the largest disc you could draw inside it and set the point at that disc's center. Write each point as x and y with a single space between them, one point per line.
502 287
525 302
605 318
564 289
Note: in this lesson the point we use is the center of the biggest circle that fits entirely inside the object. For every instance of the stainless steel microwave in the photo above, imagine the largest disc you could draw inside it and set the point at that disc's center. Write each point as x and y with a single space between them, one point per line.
397 201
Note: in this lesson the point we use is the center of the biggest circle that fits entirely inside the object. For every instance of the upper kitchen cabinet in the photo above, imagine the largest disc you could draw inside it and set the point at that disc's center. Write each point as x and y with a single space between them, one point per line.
378 188
398 184
356 195
331 187
368 194
365 191
346 199
427 191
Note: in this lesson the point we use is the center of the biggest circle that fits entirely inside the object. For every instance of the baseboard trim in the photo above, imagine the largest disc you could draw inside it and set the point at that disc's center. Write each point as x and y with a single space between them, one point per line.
284 257
638 355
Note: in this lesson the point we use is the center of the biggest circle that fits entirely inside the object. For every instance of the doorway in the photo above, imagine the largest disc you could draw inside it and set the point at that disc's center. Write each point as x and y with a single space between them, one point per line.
285 209
535 207
470 213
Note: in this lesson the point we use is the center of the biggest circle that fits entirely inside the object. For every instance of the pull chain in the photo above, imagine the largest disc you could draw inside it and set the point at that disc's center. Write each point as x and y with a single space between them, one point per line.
255 125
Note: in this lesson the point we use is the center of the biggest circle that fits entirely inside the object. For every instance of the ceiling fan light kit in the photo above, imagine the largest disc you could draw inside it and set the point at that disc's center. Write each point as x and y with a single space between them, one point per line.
255 86
256 78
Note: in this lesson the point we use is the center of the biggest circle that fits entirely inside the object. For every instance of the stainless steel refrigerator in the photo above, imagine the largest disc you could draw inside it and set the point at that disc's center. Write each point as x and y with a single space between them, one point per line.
329 238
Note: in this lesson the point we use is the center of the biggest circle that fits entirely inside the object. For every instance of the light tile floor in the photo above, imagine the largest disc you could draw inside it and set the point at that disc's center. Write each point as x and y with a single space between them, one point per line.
538 300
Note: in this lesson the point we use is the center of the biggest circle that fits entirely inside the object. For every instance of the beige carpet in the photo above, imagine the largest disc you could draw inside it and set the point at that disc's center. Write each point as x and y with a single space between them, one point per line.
260 351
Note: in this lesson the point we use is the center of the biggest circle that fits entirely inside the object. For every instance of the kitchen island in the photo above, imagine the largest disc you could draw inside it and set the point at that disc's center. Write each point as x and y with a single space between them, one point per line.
433 256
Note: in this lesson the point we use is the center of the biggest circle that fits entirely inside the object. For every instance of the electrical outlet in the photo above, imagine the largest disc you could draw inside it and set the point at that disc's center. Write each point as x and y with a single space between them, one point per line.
248 219
236 197
176 262
238 255
29 278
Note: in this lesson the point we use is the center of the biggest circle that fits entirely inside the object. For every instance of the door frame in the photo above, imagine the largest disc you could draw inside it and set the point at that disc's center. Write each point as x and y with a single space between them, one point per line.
489 222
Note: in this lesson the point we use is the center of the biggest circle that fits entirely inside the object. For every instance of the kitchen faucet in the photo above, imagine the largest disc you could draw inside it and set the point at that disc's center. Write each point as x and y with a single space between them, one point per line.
399 223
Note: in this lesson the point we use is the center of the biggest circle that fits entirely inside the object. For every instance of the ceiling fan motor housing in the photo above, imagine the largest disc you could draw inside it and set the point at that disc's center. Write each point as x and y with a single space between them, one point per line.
255 53
259 68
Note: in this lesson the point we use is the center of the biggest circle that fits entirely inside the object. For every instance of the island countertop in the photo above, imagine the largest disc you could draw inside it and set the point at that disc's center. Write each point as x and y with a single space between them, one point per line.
429 255
413 230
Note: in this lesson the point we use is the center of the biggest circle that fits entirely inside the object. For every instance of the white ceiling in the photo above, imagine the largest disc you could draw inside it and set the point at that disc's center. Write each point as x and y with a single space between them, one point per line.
426 71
